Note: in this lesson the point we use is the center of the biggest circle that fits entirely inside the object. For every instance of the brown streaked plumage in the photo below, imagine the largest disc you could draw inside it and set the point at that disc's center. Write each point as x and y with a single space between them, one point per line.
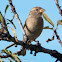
34 23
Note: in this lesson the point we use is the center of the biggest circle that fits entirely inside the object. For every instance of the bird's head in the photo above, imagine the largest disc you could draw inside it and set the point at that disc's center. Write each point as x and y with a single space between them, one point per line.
36 11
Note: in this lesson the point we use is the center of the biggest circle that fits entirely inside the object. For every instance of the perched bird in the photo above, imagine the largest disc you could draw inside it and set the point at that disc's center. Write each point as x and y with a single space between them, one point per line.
33 26
34 23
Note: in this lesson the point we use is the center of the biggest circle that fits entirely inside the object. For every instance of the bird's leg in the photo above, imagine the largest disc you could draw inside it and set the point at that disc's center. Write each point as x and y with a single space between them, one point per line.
37 43
29 42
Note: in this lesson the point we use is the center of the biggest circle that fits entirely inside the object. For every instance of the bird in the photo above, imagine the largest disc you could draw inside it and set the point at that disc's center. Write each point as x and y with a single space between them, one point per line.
34 24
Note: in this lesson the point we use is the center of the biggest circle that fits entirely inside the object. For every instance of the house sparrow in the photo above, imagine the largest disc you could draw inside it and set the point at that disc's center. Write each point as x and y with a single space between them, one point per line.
33 26
34 23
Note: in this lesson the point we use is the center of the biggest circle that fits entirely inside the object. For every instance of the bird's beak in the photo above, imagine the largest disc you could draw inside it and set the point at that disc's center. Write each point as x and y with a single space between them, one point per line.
42 10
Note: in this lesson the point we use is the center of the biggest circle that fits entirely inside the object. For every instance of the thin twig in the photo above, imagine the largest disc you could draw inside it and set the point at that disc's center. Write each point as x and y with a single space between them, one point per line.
6 56
60 10
17 17
58 37
50 39
9 46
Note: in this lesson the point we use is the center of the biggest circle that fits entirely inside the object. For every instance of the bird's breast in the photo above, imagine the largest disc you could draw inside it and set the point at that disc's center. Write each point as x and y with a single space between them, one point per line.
34 27
34 24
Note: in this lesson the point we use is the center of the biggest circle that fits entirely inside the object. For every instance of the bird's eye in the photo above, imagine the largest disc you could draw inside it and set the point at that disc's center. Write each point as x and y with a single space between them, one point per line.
36 9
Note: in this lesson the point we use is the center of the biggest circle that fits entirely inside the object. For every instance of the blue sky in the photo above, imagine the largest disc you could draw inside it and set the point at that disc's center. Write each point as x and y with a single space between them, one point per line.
23 8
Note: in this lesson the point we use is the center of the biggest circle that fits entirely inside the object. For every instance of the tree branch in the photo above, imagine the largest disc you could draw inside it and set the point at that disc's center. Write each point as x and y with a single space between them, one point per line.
17 17
56 36
60 10
38 48
5 56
